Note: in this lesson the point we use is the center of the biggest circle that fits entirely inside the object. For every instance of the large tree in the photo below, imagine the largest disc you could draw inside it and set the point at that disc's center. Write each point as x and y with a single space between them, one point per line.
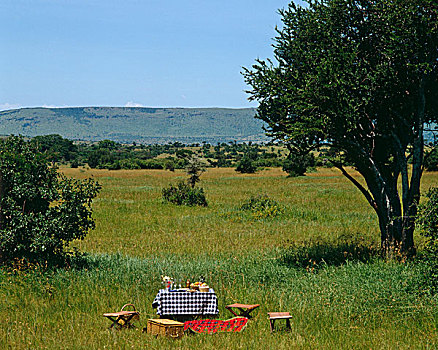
360 76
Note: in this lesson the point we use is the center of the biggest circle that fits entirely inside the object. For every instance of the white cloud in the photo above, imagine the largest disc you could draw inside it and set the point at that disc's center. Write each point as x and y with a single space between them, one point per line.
52 106
6 106
133 104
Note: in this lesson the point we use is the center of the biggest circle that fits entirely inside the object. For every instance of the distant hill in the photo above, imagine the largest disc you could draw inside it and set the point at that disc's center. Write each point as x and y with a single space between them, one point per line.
142 125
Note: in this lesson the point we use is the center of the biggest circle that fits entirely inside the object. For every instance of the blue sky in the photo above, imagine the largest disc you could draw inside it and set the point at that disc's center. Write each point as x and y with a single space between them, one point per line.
163 53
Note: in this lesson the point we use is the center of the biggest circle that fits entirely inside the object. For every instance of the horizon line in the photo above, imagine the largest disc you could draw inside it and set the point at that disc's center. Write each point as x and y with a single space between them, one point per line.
14 108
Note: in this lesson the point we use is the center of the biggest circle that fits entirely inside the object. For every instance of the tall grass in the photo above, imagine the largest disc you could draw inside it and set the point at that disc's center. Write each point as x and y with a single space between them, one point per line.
356 305
132 218
316 260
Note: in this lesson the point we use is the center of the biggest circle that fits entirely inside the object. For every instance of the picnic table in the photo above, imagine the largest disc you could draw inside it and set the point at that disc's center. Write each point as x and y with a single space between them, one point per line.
185 303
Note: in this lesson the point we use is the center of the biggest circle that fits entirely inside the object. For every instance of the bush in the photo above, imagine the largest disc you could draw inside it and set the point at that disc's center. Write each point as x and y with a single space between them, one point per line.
41 211
262 207
129 164
246 166
428 223
151 164
431 160
74 163
184 194
298 164
169 165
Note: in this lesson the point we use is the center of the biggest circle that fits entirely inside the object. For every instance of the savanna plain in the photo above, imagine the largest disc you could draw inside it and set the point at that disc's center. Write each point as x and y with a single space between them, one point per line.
317 258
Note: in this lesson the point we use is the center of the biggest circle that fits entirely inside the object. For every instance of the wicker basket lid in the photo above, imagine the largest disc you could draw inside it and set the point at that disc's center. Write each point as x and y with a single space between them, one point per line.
165 321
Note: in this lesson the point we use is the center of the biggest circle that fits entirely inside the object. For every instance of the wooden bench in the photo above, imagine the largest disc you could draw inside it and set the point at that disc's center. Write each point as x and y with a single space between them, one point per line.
244 309
273 316
123 319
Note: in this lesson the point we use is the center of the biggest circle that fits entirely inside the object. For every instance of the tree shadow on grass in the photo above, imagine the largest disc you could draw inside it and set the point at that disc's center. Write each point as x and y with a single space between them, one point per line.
319 255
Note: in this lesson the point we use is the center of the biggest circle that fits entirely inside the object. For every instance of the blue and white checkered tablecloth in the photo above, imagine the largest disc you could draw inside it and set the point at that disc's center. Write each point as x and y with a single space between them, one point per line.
186 303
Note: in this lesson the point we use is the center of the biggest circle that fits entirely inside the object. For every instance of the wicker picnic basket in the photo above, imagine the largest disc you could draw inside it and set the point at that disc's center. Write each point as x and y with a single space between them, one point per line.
168 328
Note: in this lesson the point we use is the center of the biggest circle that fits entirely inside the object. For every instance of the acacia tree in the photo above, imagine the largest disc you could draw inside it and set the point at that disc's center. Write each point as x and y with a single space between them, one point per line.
362 77
41 211
194 170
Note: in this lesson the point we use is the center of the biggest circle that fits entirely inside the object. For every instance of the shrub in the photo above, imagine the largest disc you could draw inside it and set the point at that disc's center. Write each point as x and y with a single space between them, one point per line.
151 164
428 223
169 165
74 163
99 158
41 211
184 194
129 164
431 160
298 164
246 166
262 207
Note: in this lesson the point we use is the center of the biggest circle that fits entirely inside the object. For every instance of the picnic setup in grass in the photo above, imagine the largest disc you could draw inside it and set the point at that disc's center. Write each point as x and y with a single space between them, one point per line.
190 309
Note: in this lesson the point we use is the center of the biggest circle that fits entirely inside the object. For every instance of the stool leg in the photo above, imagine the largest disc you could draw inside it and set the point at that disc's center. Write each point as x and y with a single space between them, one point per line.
288 324
271 322
232 311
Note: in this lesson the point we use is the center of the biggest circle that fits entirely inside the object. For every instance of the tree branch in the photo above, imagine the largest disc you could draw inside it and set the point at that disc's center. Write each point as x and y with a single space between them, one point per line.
364 191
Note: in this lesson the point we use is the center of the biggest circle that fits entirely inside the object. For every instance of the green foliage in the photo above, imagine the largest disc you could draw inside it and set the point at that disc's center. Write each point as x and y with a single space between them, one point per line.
428 222
41 212
107 154
74 163
262 207
297 164
130 164
169 165
100 158
184 194
57 148
108 144
431 160
246 166
194 169
360 77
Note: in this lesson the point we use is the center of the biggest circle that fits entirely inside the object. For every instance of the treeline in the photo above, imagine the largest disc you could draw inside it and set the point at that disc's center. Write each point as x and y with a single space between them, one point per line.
108 154
245 157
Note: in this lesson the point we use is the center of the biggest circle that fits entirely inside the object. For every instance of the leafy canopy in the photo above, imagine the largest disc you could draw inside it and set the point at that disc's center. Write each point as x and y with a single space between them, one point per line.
348 70
360 76
41 211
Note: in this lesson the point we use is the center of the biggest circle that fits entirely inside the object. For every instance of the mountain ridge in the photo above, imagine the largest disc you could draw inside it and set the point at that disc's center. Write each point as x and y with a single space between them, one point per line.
136 124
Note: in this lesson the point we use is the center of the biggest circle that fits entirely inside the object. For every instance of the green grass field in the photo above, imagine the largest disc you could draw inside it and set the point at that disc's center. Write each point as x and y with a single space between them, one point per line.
316 259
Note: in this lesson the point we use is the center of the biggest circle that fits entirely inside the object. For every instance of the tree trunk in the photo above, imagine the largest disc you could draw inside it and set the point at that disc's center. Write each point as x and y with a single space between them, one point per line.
390 222
396 228
412 197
